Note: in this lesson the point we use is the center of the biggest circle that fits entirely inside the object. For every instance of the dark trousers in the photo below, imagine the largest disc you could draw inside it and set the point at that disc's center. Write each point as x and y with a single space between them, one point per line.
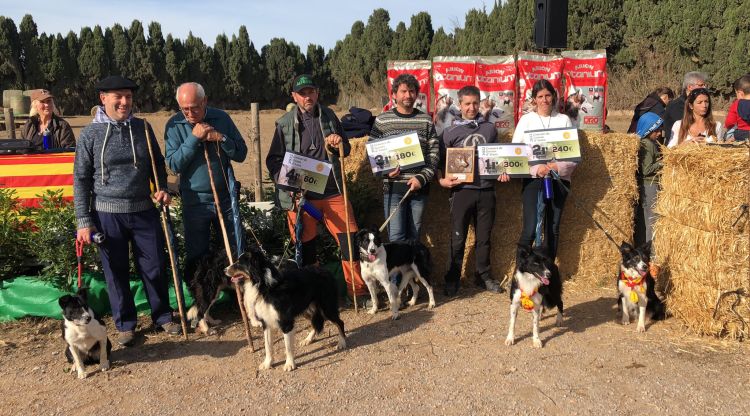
531 192
144 231
645 217
475 206
197 220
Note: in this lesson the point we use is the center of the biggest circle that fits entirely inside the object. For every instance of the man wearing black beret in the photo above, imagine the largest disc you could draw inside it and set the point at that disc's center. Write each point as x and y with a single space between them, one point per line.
112 196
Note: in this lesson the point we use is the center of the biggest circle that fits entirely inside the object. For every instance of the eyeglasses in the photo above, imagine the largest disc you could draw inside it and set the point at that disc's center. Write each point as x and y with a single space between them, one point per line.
191 110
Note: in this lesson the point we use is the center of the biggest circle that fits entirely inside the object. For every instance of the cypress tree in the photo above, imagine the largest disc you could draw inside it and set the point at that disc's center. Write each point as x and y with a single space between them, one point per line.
283 61
418 38
11 73
163 91
120 50
376 42
28 37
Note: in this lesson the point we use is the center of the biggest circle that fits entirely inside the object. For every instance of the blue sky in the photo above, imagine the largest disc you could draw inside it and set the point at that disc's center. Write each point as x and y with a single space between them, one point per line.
302 22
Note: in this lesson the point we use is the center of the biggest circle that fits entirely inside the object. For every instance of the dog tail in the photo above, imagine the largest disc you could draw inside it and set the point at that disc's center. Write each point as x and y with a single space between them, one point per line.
423 260
192 313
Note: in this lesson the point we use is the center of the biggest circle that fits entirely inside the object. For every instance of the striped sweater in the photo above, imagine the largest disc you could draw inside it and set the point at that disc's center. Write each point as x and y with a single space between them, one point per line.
393 123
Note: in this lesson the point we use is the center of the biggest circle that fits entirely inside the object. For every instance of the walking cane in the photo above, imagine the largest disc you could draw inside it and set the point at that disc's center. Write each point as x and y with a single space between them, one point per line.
227 247
346 216
170 249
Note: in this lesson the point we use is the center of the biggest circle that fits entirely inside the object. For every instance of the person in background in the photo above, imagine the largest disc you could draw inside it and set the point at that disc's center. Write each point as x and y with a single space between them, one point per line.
656 103
544 115
43 121
734 120
649 169
698 125
676 108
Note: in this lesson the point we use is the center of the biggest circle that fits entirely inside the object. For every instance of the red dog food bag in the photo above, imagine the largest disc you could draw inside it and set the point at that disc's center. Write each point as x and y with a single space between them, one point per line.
496 80
585 97
531 68
421 71
450 74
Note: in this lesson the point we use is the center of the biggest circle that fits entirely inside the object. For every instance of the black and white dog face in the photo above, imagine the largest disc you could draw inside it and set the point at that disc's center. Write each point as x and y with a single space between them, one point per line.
256 267
635 260
533 263
368 241
75 308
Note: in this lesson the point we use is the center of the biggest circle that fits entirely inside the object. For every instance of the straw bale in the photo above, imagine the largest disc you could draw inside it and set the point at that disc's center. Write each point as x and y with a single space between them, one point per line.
702 244
604 180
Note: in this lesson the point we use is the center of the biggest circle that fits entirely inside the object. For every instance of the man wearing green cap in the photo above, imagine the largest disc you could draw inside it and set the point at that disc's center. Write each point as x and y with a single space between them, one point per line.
314 131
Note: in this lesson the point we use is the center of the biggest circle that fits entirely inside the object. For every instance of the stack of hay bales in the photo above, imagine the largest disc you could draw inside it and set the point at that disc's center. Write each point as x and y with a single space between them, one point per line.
604 181
703 237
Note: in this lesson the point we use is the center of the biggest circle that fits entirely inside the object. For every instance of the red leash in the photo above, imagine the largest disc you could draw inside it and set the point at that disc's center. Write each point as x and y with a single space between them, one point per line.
79 256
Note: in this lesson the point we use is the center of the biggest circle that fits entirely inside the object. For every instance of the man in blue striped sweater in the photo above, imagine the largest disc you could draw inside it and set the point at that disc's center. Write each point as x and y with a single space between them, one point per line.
404 118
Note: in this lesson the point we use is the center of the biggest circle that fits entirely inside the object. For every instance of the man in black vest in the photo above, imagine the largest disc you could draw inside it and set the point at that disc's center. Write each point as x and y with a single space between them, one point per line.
314 131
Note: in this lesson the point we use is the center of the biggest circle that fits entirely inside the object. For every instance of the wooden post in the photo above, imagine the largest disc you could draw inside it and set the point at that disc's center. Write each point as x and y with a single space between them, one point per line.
255 138
10 123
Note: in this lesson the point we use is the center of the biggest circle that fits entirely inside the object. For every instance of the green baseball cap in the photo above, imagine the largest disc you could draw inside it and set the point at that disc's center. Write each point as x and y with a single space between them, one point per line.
303 81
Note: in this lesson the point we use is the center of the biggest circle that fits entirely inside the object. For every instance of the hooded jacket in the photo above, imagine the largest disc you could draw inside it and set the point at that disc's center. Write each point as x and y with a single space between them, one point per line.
112 170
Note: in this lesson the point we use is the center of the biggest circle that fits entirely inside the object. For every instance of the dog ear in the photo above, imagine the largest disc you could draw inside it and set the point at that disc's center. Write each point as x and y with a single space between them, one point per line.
646 247
625 247
64 300
523 250
83 292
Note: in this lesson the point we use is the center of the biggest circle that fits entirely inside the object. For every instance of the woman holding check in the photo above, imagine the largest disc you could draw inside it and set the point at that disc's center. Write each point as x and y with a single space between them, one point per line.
544 115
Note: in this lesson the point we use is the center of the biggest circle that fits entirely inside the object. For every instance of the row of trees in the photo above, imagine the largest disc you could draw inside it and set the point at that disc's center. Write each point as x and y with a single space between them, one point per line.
649 42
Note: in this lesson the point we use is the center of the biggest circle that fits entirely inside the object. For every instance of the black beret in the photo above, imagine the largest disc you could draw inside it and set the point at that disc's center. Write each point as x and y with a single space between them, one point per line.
116 82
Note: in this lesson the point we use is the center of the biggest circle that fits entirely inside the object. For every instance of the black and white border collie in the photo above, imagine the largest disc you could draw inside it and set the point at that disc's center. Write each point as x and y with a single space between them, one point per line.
207 281
636 286
536 285
275 299
380 261
85 334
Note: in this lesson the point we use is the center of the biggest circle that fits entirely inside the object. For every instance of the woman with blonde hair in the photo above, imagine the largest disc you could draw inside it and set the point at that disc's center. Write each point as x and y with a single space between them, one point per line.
698 124
43 122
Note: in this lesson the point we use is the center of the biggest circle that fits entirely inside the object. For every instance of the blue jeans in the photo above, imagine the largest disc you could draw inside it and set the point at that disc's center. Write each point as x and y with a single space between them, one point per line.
197 220
407 222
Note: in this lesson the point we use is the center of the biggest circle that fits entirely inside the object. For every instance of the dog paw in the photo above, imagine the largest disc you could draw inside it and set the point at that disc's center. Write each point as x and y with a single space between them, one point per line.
431 305
412 302
640 328
104 366
265 365
289 366
395 316
509 341
559 320
625 321
372 311
341 345
537 343
82 374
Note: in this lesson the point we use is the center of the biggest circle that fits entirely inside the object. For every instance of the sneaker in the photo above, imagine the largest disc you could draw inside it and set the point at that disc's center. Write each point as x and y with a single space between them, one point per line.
126 338
450 288
171 328
490 285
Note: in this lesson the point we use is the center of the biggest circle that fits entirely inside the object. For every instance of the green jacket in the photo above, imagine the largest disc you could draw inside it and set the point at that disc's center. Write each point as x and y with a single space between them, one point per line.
649 162
287 138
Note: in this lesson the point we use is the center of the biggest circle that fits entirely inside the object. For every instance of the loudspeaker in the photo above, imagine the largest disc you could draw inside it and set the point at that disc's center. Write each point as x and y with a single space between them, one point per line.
551 25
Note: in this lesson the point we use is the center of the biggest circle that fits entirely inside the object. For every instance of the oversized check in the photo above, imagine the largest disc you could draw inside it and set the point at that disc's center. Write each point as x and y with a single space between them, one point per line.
301 172
558 143
498 158
387 154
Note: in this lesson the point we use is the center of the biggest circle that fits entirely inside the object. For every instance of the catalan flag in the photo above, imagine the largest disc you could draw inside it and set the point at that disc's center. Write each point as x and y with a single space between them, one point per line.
32 175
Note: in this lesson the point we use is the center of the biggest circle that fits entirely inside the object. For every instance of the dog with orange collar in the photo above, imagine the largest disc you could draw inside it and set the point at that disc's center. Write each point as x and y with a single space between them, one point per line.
636 286
536 286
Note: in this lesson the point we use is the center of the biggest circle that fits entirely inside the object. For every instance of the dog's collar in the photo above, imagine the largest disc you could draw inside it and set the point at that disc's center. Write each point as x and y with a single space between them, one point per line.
526 301
630 282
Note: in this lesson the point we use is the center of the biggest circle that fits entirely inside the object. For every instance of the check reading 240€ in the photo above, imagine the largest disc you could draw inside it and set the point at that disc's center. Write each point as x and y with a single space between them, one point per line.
553 144
301 172
387 154
494 159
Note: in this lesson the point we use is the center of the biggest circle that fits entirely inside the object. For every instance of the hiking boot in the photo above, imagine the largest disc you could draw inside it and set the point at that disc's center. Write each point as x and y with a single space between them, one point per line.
490 285
171 328
126 338
450 288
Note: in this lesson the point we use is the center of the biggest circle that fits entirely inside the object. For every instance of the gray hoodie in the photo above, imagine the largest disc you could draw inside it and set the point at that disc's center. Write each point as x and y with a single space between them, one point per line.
112 170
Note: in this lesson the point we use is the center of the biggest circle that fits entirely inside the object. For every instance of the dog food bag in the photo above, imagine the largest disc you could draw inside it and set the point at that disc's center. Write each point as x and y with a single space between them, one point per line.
421 71
496 80
585 74
531 68
450 74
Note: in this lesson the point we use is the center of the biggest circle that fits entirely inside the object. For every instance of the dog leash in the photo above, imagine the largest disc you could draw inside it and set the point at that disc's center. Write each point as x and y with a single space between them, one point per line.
79 257
589 213
394 211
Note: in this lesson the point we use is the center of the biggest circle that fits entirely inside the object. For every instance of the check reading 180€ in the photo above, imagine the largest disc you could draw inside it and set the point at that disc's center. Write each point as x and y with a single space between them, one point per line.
301 172
498 158
402 151
553 144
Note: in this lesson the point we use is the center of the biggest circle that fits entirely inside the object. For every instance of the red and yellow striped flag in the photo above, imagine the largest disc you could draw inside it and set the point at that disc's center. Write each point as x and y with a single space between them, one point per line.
32 175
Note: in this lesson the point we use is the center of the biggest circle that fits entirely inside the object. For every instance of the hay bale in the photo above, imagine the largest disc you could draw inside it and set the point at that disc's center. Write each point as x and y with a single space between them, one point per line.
700 240
605 180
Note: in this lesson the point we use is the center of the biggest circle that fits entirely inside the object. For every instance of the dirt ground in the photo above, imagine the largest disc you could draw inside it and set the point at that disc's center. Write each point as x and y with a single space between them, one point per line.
449 360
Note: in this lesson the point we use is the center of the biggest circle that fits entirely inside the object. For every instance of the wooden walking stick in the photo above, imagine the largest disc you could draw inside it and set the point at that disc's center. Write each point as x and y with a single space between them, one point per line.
164 225
227 247
346 216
